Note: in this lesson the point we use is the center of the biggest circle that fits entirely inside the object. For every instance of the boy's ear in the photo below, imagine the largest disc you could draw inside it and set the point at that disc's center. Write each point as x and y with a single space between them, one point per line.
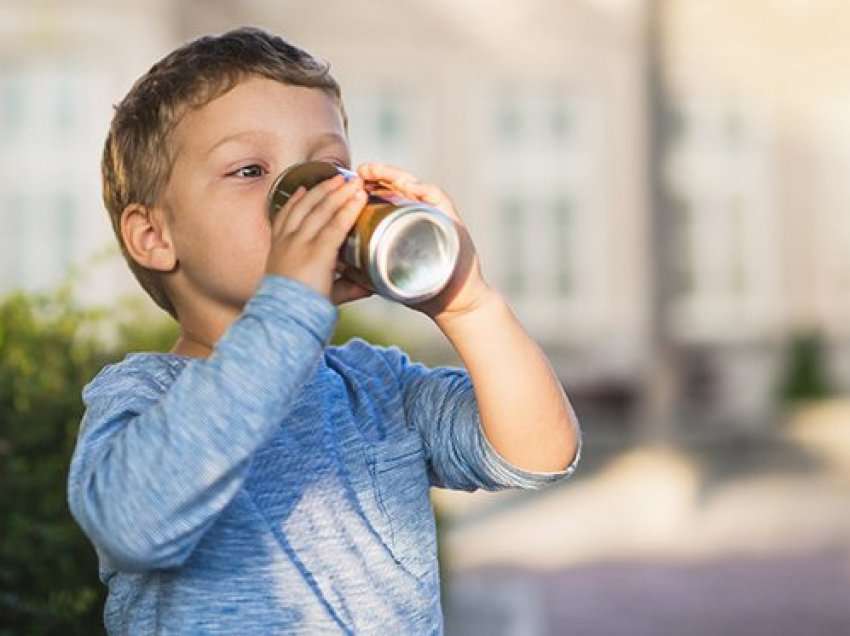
147 237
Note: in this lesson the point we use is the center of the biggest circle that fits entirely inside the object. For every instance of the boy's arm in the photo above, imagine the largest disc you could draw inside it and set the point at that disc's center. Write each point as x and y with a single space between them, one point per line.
441 405
151 472
525 414
523 408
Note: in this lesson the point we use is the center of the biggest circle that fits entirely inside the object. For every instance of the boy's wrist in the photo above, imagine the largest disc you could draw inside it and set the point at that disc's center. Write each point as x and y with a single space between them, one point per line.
490 303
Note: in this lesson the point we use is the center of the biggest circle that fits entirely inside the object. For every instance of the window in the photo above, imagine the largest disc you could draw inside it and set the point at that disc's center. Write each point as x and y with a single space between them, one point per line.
560 116
64 229
675 123
563 228
683 254
513 252
509 119
845 251
64 107
737 266
11 104
12 215
389 122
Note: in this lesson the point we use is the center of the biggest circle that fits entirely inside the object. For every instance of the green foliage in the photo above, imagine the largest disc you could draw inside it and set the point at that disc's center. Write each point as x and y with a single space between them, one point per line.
46 565
350 324
50 347
805 377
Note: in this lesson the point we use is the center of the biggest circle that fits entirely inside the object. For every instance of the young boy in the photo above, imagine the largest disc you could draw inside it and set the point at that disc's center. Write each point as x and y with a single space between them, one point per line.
255 480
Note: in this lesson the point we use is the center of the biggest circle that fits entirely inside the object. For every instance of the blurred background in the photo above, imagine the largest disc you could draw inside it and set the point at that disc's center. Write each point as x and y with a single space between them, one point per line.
659 187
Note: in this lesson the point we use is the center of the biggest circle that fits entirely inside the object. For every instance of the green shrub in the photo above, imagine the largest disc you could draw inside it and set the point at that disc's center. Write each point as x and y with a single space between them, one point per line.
804 373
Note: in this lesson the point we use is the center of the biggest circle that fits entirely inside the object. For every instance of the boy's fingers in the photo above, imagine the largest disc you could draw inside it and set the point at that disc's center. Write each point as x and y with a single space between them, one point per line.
385 172
286 209
433 195
408 185
421 192
327 208
304 205
335 228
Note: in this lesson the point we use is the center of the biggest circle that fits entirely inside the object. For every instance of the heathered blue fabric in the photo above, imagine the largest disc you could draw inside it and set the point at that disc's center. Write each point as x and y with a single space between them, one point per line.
279 486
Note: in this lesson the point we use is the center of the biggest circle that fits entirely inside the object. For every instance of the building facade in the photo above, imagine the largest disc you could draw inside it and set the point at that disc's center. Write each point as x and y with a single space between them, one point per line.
534 118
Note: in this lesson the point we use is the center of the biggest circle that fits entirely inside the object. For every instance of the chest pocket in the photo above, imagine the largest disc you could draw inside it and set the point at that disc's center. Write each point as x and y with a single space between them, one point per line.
399 471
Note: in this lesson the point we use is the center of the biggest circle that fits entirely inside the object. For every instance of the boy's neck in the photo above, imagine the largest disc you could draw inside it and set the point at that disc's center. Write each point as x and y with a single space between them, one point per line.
185 346
202 322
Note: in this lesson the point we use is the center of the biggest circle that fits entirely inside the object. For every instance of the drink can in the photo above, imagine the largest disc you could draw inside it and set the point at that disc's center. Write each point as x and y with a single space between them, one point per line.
403 250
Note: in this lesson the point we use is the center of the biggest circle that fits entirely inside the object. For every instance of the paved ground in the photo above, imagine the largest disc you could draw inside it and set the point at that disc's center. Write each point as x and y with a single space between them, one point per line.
801 595
748 536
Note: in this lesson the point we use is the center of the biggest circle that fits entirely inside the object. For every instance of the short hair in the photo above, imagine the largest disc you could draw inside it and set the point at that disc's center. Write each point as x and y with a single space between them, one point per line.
137 156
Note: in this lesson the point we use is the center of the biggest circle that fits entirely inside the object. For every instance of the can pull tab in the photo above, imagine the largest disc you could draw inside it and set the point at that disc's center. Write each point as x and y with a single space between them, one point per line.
373 188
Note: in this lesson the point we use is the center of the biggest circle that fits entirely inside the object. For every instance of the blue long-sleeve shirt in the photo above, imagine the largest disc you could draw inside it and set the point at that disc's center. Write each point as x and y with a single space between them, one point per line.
279 485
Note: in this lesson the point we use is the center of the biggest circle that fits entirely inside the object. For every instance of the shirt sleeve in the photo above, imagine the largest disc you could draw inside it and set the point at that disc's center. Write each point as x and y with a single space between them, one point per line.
152 469
441 404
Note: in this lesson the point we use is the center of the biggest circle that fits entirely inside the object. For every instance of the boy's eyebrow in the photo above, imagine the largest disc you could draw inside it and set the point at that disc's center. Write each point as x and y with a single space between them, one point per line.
234 137
318 141
325 138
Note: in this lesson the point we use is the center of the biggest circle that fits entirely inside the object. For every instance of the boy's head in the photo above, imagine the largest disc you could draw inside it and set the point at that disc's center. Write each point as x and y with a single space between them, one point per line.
192 151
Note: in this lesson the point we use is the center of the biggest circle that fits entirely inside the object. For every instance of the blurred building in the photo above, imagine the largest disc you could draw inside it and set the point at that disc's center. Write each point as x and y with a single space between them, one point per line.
534 117
755 169
62 67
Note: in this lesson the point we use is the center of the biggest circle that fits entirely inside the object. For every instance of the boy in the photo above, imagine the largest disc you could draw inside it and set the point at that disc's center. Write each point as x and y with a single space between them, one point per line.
254 480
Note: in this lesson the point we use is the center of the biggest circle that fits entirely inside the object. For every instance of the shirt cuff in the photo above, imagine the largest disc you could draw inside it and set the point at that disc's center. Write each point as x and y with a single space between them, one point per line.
511 475
280 296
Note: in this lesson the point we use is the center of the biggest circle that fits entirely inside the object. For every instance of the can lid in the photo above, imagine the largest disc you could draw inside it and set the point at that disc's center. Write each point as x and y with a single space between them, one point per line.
307 174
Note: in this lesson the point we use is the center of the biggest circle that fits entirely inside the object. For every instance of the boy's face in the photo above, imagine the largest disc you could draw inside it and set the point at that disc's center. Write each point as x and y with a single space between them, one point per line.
227 154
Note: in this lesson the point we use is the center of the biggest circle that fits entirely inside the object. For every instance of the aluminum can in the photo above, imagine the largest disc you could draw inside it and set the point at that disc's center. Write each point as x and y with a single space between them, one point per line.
403 250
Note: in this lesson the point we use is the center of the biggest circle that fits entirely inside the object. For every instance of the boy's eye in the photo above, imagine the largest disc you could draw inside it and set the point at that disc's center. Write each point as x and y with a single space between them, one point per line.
249 172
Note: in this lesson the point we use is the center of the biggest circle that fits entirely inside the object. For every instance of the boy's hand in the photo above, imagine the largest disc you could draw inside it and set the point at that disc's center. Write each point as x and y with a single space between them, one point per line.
467 290
309 230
